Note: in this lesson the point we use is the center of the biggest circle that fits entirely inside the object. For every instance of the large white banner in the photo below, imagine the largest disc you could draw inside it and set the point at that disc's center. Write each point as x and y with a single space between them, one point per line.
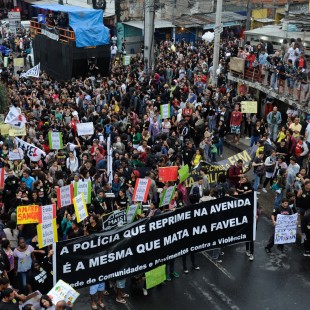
33 152
15 118
34 72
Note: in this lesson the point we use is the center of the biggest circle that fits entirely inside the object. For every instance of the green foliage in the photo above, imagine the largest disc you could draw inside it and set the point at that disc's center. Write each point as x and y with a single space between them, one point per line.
3 98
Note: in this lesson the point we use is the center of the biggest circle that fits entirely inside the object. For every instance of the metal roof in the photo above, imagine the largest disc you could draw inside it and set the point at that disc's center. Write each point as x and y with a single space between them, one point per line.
200 20
159 23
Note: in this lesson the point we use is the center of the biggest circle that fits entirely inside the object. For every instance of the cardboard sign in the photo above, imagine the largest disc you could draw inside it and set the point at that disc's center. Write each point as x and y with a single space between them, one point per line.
28 214
83 187
286 228
15 155
249 107
65 195
126 60
46 213
85 129
16 132
155 277
80 207
63 291
55 140
165 110
47 233
166 174
18 62
5 128
141 190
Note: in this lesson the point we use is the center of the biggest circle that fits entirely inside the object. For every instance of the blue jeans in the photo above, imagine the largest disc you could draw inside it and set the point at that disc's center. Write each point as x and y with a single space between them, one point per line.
277 201
254 140
274 128
256 182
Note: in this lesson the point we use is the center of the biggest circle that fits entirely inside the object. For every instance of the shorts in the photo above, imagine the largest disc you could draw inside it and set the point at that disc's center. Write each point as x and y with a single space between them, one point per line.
121 283
100 287
290 83
235 129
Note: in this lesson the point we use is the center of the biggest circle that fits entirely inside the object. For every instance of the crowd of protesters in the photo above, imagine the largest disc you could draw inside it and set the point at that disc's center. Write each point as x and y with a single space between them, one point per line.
126 107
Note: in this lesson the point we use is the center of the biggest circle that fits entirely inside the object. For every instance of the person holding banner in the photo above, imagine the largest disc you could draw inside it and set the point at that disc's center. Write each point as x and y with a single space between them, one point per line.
283 209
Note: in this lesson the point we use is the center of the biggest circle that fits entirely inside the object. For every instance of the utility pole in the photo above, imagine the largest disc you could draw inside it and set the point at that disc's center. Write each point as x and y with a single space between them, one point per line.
249 15
217 37
149 18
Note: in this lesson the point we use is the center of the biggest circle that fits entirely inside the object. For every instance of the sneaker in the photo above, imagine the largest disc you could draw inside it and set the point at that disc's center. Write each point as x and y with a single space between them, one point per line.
122 300
306 254
247 253
175 274
264 190
247 138
222 253
267 250
145 293
217 260
168 278
196 268
258 193
221 155
186 271
251 257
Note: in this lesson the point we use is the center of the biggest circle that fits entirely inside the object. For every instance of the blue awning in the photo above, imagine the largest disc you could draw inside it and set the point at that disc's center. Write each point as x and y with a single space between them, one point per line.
87 24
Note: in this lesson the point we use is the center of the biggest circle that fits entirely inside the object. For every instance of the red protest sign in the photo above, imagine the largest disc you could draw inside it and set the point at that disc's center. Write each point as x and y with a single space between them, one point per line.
141 190
166 174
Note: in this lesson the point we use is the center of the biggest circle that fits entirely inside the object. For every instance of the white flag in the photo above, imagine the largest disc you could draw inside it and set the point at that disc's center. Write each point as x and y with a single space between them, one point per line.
34 71
15 118
33 152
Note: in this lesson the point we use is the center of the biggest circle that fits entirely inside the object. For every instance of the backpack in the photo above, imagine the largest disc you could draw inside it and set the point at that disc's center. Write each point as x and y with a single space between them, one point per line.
195 195
260 170
107 130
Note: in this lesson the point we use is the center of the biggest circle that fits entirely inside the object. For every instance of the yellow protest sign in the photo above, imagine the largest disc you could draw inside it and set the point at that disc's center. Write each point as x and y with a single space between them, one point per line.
4 128
80 207
47 233
248 106
15 132
27 214
18 62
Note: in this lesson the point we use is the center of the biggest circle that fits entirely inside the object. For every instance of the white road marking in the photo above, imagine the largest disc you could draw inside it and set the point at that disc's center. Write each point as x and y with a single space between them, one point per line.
221 295
219 266
197 287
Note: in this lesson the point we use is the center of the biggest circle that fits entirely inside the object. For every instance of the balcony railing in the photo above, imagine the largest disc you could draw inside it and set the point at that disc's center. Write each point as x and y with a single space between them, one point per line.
65 35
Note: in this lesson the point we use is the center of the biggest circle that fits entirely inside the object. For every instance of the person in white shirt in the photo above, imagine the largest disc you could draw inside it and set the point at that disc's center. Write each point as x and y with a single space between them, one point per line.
166 126
293 53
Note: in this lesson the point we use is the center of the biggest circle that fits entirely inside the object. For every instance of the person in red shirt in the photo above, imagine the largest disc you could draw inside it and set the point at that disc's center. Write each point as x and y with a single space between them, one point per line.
74 121
235 123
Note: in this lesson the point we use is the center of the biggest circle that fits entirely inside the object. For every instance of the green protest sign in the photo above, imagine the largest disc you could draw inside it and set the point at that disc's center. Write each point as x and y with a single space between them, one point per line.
132 212
55 140
155 276
165 111
183 173
167 196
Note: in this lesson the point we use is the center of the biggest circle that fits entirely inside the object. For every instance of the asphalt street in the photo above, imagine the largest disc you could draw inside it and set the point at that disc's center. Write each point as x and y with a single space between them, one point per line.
272 281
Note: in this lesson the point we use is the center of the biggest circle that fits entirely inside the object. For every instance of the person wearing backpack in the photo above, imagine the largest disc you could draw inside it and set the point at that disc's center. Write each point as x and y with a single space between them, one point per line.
259 170
270 164
196 191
